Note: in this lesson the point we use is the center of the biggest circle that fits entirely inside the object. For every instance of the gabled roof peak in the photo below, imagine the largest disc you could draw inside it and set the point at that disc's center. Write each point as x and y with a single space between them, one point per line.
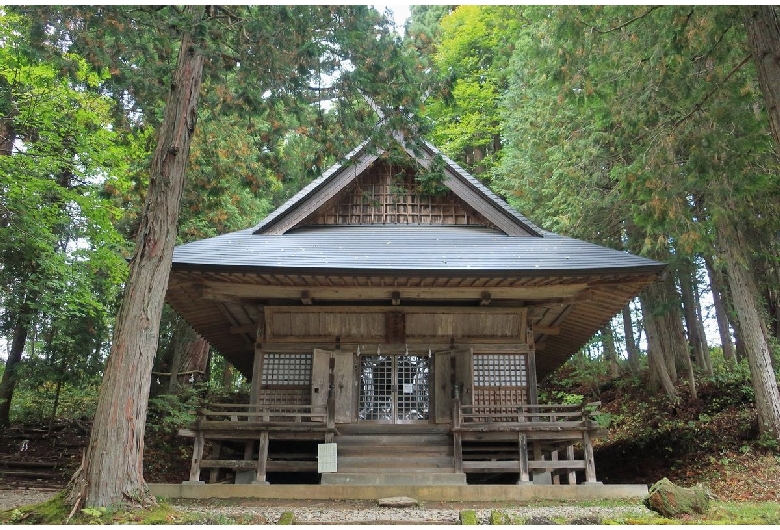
341 175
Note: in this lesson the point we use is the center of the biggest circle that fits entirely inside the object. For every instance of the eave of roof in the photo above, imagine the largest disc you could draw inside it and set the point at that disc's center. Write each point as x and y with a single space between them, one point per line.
407 249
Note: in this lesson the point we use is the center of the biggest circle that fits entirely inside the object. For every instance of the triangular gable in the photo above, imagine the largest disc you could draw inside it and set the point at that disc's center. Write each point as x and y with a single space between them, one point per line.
471 201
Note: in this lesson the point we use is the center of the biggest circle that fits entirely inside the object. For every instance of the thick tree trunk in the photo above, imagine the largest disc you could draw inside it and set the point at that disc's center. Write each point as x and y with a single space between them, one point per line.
632 350
687 290
112 471
763 28
610 353
658 366
721 314
10 375
745 298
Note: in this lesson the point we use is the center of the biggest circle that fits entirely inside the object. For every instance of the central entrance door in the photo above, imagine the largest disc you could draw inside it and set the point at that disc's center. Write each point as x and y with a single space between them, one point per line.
394 388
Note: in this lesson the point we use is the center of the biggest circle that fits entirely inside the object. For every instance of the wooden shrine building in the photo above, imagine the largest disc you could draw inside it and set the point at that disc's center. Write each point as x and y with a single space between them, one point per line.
394 337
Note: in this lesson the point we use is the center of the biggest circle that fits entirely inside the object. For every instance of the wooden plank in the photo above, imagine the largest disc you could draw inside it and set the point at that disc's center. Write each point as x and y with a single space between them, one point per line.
443 388
516 465
262 458
319 377
343 385
522 444
197 456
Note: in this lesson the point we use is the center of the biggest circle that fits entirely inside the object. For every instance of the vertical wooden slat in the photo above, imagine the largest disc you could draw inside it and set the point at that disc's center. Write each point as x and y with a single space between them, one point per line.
197 456
570 456
590 462
522 445
262 458
214 473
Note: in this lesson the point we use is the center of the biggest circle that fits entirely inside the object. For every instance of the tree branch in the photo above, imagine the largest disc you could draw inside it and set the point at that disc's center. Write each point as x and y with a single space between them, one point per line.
625 24
701 103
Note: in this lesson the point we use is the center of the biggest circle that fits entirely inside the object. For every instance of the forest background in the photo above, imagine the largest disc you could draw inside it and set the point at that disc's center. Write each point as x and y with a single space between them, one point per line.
645 129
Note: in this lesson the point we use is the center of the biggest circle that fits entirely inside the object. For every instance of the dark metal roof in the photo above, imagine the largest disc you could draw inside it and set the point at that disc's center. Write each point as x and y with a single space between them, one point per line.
471 183
406 248
485 191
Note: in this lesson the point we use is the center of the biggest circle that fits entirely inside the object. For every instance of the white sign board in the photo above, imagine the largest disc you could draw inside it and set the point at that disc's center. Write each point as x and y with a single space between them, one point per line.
326 458
408 388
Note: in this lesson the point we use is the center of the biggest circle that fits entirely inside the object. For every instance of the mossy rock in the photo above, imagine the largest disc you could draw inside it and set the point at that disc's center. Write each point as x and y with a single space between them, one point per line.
287 518
468 517
671 500
498 517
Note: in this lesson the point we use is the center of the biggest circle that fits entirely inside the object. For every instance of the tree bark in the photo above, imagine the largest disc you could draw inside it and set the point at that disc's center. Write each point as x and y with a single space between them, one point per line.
687 290
632 350
763 28
610 353
721 314
112 471
745 298
659 372
10 376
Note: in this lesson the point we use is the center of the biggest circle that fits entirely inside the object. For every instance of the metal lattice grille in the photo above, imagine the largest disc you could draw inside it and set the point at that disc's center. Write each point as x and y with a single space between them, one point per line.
505 370
287 369
394 388
412 385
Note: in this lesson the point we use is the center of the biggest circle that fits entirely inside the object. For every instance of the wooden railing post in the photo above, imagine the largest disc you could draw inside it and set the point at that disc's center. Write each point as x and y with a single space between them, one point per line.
262 459
590 462
522 444
197 455
456 436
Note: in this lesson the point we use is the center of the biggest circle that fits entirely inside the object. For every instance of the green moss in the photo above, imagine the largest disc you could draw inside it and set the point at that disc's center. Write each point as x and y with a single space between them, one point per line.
287 518
497 517
468 517
52 512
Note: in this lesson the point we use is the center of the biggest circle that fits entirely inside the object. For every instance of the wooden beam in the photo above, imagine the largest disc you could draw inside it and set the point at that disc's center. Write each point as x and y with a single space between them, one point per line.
484 298
233 292
547 330
306 297
244 328
396 297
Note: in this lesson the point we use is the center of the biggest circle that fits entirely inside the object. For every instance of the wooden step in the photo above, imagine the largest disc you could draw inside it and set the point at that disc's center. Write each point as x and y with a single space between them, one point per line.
405 450
410 462
394 439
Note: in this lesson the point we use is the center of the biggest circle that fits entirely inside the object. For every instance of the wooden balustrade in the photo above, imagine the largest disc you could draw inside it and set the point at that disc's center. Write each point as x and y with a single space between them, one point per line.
548 429
253 423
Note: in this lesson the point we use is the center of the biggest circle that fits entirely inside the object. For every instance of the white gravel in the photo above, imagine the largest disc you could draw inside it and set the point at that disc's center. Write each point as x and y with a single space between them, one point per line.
344 512
322 513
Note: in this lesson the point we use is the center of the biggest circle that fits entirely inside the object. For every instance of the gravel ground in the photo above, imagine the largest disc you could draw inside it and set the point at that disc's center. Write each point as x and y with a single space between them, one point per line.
14 497
345 512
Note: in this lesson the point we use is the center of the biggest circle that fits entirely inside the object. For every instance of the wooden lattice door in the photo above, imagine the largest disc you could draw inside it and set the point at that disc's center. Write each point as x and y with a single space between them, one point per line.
394 388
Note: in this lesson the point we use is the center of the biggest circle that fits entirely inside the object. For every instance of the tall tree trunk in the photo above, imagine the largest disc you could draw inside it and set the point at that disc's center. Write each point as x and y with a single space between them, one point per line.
10 375
657 366
702 333
721 314
632 350
610 353
687 290
763 28
745 298
112 471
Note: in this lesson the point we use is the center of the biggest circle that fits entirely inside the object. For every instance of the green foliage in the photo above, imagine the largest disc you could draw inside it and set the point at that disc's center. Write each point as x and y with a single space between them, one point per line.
497 517
468 517
287 518
169 412
33 401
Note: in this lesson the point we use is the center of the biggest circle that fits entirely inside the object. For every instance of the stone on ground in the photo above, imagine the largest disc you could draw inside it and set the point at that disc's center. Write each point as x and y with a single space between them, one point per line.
671 500
397 502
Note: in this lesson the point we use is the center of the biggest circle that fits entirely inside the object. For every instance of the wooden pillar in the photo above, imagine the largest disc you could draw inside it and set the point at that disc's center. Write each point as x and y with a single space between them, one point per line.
262 459
197 456
590 462
456 436
570 456
257 375
556 477
522 444
216 447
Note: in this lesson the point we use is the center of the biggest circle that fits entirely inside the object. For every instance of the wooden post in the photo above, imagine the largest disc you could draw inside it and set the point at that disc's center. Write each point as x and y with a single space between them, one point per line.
570 456
457 441
522 445
556 478
214 473
197 455
262 459
590 462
